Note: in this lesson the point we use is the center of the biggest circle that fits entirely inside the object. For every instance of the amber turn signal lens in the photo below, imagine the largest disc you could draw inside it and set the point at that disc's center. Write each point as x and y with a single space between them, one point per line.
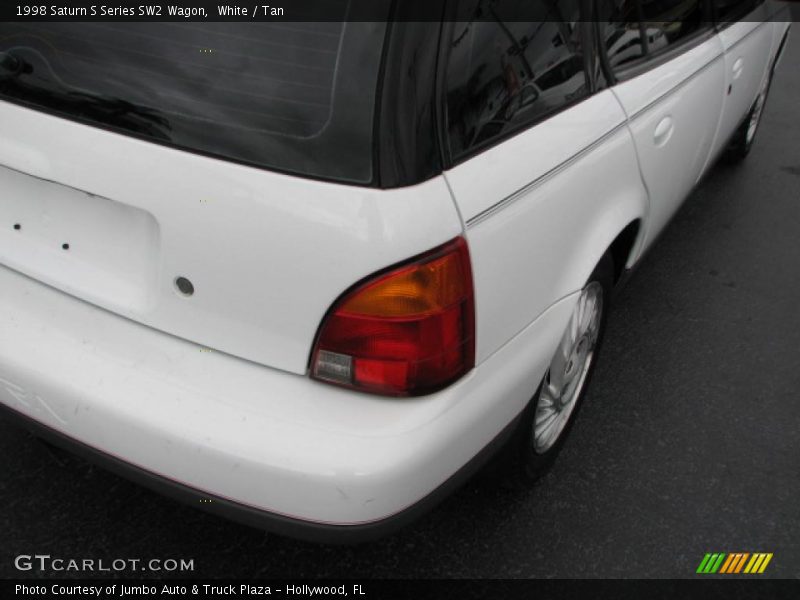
408 331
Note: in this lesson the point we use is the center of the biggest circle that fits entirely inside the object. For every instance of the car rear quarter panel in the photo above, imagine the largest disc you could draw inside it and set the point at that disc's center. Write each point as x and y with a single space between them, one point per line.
541 209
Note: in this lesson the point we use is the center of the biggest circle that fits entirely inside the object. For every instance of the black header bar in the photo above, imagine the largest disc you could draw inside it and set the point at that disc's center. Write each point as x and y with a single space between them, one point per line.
462 589
257 10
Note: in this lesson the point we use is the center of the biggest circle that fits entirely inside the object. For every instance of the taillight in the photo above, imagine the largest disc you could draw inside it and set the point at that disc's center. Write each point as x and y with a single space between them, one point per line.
405 332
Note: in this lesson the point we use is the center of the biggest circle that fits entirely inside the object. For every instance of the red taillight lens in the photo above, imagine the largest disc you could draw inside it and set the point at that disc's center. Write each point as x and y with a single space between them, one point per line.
406 332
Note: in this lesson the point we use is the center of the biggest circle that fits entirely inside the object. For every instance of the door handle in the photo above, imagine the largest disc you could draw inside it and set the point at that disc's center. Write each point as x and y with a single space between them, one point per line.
738 66
663 131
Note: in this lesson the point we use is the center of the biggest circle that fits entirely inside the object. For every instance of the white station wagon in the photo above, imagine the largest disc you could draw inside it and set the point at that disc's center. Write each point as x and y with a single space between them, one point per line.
312 275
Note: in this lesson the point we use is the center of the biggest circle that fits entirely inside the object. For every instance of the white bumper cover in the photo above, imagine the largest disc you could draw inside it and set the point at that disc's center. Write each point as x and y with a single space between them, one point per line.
262 438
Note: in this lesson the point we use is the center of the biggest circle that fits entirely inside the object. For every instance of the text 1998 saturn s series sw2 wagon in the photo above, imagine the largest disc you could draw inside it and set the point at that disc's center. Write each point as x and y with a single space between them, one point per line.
316 273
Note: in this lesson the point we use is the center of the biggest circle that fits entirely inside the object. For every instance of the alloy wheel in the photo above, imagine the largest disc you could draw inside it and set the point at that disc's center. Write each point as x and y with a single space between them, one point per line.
569 368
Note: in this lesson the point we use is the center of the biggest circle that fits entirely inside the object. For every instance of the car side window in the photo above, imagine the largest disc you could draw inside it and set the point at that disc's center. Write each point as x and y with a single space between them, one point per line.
635 29
621 31
504 74
669 22
728 11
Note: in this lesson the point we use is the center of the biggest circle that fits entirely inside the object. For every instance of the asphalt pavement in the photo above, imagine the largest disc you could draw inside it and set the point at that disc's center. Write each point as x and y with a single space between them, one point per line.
689 441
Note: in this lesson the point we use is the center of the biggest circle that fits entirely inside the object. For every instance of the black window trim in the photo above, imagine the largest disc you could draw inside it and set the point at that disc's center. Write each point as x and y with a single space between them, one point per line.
407 149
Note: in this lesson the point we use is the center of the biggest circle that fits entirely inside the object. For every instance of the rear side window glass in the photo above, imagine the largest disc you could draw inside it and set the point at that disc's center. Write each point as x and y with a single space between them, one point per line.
504 74
621 31
727 11
296 97
634 29
670 21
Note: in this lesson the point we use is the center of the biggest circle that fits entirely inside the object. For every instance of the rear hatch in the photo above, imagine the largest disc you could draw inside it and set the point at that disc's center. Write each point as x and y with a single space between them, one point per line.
236 157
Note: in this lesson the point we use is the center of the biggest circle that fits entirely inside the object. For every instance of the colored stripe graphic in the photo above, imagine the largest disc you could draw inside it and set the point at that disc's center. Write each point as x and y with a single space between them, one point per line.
729 563
749 568
765 563
741 562
711 563
734 562
703 563
758 563
716 565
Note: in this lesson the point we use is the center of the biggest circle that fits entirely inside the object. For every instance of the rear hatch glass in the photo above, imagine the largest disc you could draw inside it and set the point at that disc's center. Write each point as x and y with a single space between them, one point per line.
295 97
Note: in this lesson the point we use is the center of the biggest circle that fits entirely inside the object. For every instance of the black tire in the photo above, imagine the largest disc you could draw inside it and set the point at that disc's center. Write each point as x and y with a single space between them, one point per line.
742 142
520 464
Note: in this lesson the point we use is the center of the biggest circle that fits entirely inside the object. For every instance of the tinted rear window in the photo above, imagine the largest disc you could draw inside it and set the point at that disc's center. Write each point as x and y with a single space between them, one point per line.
296 97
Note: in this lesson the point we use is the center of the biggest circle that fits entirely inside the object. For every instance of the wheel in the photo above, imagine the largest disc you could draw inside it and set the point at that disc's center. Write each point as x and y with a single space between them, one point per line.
548 417
742 140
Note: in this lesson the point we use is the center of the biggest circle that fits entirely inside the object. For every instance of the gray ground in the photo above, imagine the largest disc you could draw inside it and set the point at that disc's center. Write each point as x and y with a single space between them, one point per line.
689 441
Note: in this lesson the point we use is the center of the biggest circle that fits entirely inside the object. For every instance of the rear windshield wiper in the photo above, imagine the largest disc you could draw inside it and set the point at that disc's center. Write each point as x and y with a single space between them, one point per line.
109 110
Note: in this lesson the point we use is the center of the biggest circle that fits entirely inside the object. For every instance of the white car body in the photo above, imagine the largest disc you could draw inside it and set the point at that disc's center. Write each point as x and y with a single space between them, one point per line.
212 392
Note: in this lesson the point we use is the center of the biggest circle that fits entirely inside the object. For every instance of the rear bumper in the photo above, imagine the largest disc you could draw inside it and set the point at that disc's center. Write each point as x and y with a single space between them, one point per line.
266 447
277 523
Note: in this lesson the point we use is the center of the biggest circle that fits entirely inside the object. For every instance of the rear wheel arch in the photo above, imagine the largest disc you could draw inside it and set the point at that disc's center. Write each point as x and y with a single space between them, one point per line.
544 426
622 248
618 232
521 464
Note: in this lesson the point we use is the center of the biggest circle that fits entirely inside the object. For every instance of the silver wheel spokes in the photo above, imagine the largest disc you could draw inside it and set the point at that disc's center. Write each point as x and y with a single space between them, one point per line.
756 116
567 373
